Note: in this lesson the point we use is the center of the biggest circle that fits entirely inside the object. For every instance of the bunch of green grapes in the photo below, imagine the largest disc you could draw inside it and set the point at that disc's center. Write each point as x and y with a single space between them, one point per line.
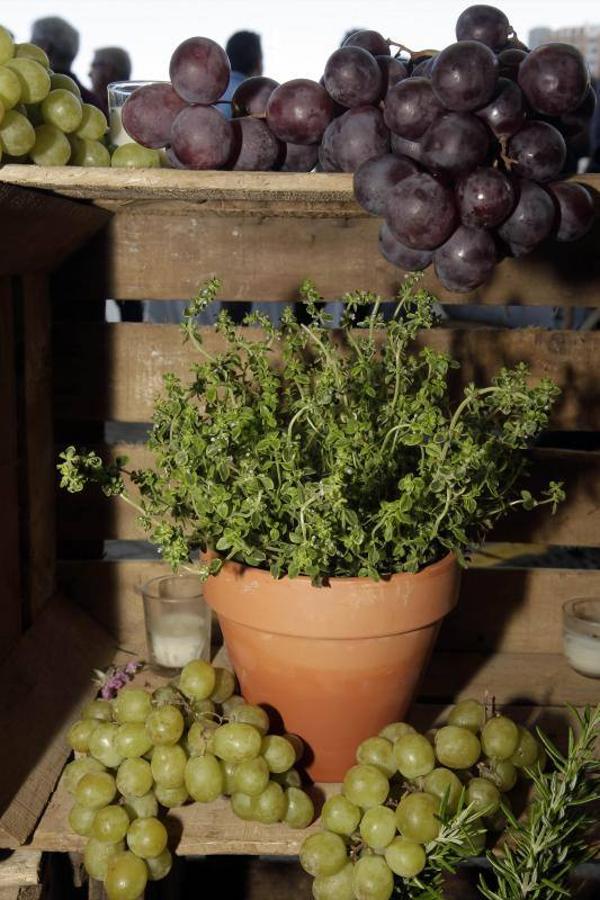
191 740
42 117
381 830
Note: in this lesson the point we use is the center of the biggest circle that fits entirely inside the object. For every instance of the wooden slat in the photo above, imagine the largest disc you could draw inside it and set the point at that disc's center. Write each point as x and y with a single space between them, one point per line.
44 682
115 371
20 868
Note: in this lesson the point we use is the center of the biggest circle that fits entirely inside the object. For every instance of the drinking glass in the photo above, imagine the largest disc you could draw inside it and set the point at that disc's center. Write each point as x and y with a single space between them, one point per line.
178 621
118 92
581 635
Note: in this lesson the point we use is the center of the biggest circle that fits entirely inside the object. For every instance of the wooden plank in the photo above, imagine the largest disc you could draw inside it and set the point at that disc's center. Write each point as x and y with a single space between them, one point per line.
44 682
32 892
20 868
92 516
115 371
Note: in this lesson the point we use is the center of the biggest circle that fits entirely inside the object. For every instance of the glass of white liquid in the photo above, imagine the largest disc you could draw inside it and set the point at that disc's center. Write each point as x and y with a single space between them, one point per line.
581 635
118 92
178 622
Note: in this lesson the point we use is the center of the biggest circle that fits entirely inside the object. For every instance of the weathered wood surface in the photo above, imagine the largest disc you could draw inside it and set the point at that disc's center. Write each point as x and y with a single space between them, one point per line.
44 682
20 868
115 371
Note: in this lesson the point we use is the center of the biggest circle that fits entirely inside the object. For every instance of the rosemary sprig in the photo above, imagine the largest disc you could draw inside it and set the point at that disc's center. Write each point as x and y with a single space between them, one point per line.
541 851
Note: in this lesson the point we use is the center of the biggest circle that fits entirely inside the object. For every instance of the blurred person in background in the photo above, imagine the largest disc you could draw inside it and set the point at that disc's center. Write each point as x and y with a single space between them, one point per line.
61 42
109 64
245 55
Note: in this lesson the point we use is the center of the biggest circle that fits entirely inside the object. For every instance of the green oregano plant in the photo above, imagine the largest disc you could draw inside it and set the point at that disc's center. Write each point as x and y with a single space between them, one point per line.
311 451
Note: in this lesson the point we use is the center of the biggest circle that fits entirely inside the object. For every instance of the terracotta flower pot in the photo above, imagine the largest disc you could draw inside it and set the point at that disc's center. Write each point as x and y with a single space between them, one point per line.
337 662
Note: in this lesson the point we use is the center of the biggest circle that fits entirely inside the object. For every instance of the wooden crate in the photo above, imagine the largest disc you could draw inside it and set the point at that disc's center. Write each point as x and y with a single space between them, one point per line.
79 236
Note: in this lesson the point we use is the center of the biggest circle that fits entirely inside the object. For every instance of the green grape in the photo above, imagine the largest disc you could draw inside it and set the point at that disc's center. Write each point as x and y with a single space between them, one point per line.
33 77
97 855
134 777
378 752
300 809
229 769
366 786
95 790
236 742
323 853
147 837
32 51
171 797
79 734
291 778
414 755
396 730
7 45
98 709
17 134
202 709
230 705
527 750
197 680
111 824
103 745
499 738
372 879
132 740
76 769
251 777
378 827
270 806
251 715
62 109
166 694
340 815
168 765
298 745
81 819
10 88
473 846
335 887
165 725
457 748
279 754
65 83
134 156
126 876
141 807
443 783
159 866
416 817
33 111
430 735
93 126
469 714
224 685
483 795
405 858
132 705
503 773
200 738
51 147
243 806
204 778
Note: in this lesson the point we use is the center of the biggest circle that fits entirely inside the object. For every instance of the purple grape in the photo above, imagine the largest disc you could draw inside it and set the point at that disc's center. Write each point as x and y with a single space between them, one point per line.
421 212
371 41
392 71
400 255
202 138
251 96
485 24
149 113
538 151
455 144
422 68
328 161
199 70
554 79
575 209
255 148
411 107
299 157
505 113
402 147
466 260
573 124
374 179
299 111
510 61
531 220
485 197
464 76
361 135
174 162
353 77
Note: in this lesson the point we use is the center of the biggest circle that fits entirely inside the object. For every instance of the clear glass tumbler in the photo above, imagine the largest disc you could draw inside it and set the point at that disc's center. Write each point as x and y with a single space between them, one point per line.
178 621
118 92
581 635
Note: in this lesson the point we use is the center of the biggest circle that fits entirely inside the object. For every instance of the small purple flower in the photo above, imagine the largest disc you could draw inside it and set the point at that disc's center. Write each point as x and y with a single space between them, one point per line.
114 678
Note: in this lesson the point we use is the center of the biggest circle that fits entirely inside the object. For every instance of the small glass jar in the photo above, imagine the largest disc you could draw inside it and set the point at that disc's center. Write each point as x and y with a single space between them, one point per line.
118 92
581 635
178 622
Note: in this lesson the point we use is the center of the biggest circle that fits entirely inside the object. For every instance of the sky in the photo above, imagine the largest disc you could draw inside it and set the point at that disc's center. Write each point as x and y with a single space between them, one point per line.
297 35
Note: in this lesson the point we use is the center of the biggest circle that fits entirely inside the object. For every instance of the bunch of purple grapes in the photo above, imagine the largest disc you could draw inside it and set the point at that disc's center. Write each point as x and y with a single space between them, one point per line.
459 151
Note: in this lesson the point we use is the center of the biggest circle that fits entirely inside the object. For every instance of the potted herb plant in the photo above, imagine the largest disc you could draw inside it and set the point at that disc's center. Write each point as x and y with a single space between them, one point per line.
328 488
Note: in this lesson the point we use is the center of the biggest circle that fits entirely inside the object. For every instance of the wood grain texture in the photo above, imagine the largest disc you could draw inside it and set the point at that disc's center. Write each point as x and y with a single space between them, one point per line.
20 868
115 371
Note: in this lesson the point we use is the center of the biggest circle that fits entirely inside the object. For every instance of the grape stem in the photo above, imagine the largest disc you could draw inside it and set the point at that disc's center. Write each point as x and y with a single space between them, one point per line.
414 54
